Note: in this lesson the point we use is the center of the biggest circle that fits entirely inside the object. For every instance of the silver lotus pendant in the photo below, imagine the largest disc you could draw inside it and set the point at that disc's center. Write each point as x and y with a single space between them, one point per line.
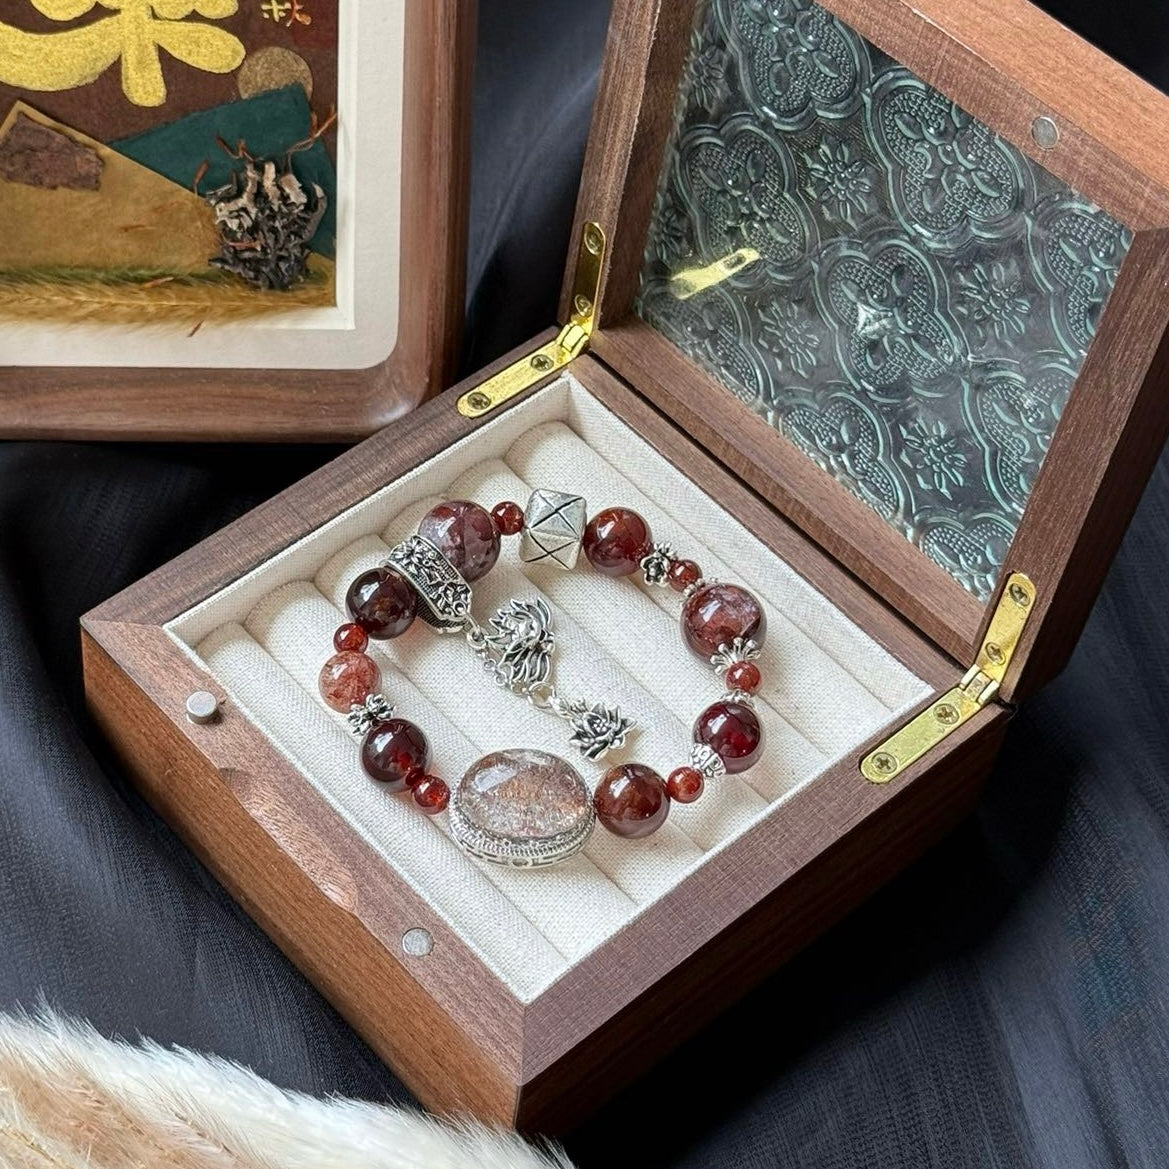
522 808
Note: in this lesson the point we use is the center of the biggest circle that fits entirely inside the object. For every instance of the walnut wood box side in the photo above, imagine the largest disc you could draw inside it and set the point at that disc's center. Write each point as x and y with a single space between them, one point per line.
339 912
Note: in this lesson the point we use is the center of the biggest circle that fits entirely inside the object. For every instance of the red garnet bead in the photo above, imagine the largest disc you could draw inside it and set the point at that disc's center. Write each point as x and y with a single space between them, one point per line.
731 729
744 676
631 800
616 541
350 637
347 679
431 794
718 613
685 784
465 534
508 517
682 574
382 603
394 750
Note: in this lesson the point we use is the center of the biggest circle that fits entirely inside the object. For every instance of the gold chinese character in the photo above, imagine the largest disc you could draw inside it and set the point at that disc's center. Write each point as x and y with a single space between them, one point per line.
135 33
277 10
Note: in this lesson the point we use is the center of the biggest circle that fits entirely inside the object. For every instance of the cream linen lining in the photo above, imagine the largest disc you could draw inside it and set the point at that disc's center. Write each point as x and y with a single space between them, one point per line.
827 685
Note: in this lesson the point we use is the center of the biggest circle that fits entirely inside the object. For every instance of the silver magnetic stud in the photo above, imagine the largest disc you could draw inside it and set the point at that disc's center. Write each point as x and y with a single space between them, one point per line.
202 707
1045 132
417 943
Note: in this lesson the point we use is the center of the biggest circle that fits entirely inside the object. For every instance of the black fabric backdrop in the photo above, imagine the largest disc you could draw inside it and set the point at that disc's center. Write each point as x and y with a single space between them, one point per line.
1004 1003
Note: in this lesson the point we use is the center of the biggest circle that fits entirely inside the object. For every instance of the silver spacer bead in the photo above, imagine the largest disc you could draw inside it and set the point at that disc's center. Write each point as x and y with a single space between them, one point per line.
740 650
444 596
554 528
690 590
376 709
705 759
740 696
656 565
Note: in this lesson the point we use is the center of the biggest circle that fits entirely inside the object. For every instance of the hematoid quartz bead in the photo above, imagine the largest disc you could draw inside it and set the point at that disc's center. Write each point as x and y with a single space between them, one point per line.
347 679
718 613
465 534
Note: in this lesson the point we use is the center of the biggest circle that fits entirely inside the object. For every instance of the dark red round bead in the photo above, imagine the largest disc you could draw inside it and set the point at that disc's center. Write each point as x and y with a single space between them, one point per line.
616 541
382 603
744 676
682 574
508 517
685 784
431 794
718 613
631 800
465 534
394 750
732 731
350 637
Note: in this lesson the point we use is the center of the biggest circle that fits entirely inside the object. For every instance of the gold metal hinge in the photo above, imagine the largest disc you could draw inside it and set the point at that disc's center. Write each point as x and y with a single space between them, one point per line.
958 706
571 342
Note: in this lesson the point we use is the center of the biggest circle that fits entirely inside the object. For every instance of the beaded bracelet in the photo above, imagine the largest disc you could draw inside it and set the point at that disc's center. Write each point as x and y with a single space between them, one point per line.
524 807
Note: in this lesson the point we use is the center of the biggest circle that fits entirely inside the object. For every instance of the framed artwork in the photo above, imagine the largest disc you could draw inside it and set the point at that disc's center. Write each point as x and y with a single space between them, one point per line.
214 184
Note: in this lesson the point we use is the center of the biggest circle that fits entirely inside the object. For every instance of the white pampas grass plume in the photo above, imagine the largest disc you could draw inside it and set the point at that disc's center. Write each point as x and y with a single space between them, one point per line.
70 1099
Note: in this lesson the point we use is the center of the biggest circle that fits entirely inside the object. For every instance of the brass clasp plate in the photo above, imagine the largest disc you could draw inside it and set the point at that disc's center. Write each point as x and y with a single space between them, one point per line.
957 706
571 341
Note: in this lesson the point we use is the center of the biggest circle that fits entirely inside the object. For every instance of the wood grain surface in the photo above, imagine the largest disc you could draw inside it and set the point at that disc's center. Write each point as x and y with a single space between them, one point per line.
311 405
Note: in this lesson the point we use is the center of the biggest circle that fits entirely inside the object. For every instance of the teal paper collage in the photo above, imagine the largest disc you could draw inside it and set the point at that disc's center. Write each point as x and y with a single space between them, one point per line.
924 295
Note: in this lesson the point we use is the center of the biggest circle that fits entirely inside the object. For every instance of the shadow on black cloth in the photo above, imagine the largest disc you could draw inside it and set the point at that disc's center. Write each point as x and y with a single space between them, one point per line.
1003 1003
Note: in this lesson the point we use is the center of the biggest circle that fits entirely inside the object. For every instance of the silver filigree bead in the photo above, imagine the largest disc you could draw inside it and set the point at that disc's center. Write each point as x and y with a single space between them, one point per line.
656 565
444 596
554 527
707 760
597 728
742 649
521 635
376 709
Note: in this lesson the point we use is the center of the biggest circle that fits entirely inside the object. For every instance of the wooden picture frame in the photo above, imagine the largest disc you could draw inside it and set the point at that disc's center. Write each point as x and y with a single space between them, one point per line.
309 405
1008 64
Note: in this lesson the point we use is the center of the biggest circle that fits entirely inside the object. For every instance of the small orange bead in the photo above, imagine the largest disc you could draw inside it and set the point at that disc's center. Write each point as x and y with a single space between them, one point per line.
431 794
508 517
685 784
744 676
350 638
682 574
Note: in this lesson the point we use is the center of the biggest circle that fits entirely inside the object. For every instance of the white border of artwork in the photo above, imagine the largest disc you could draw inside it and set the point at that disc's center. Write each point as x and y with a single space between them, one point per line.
361 330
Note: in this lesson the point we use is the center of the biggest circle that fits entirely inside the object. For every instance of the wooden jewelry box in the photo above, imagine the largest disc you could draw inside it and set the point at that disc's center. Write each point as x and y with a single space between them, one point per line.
400 75
892 360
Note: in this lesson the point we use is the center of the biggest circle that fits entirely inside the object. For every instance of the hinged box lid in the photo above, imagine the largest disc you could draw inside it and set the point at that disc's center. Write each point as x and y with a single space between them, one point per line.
82 353
903 268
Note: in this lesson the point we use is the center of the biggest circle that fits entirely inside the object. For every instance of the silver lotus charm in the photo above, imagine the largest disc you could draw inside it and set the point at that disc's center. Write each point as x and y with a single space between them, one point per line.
704 758
656 565
554 526
521 808
376 709
739 650
444 595
521 635
596 728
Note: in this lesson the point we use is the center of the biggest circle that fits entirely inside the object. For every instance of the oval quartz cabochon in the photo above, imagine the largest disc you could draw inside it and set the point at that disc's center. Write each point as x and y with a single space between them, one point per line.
522 807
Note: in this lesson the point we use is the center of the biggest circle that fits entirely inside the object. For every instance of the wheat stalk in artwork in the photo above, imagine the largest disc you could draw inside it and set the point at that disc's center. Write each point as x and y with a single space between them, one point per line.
71 1099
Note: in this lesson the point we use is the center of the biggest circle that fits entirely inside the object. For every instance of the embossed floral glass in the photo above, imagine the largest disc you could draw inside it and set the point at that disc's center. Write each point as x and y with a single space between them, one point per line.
903 294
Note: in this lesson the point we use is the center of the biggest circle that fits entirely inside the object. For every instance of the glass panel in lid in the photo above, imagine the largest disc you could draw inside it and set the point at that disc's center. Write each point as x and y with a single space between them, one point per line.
899 291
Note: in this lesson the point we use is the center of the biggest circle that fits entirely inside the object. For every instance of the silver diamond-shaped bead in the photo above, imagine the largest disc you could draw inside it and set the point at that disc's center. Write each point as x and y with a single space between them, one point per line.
554 526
